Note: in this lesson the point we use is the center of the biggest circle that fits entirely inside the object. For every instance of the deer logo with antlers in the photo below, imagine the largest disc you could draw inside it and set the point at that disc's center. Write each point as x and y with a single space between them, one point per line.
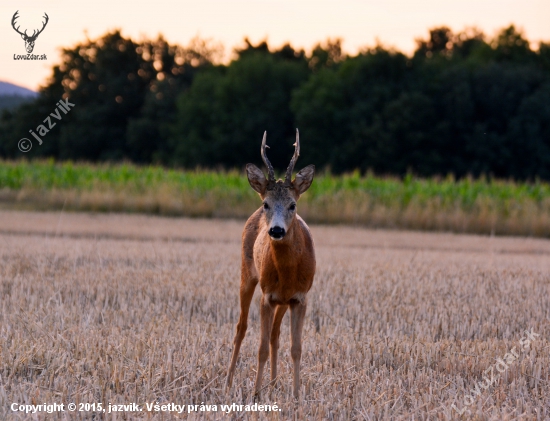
279 253
29 40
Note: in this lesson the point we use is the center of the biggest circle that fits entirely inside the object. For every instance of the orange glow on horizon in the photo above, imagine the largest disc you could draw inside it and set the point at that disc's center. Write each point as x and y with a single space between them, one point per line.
302 23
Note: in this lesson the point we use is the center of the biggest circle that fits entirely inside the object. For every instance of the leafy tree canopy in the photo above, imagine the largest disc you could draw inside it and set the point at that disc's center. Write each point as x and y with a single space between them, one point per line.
462 103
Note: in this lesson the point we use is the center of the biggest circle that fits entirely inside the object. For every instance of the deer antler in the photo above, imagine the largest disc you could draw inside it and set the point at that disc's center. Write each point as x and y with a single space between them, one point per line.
270 172
34 33
288 176
43 25
13 24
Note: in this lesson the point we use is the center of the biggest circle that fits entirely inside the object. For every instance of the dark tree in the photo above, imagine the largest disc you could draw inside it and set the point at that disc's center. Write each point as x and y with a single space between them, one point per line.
462 103
222 117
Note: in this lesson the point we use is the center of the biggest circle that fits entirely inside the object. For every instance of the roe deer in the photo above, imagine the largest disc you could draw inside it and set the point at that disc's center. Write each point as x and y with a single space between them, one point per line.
277 251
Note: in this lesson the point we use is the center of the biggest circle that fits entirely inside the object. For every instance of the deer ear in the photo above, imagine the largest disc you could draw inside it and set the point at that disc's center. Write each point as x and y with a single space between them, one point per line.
256 178
303 179
23 36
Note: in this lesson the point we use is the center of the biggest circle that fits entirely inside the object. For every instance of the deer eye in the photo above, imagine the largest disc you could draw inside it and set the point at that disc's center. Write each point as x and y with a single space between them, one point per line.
292 207
266 206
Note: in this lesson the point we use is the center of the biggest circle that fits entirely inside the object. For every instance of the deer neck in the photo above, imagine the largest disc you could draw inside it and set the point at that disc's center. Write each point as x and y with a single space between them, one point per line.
285 252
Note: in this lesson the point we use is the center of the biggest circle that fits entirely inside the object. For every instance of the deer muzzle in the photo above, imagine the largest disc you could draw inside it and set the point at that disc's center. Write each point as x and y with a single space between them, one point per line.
277 233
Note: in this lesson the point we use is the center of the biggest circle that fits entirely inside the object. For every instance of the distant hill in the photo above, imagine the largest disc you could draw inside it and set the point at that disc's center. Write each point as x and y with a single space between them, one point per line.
12 96
11 90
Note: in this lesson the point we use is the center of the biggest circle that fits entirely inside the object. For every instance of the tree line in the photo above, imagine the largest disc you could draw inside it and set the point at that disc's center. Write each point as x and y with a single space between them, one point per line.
462 103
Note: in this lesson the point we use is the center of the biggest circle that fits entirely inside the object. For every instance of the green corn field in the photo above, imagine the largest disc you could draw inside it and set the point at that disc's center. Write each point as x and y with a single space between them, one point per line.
484 206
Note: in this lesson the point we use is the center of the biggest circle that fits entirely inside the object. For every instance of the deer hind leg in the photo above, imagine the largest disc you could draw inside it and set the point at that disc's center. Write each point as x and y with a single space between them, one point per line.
275 333
297 315
266 317
247 292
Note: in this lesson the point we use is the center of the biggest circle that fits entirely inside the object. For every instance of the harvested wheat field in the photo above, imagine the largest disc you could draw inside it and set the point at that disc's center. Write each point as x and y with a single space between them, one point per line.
119 309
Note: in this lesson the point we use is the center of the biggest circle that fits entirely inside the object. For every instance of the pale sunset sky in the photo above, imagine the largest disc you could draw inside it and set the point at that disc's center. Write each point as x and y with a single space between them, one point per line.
303 23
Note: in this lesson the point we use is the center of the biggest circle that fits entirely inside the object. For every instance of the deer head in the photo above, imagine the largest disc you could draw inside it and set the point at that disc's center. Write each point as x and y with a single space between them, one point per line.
29 40
279 197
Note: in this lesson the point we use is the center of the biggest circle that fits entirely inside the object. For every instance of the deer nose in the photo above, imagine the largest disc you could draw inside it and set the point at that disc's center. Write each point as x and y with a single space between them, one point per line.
277 232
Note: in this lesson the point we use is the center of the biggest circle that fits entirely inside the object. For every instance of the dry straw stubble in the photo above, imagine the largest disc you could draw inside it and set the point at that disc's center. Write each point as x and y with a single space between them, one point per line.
121 309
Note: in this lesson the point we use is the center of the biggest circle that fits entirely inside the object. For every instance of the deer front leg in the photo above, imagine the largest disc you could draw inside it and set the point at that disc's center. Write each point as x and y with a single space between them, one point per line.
266 320
247 292
275 333
297 315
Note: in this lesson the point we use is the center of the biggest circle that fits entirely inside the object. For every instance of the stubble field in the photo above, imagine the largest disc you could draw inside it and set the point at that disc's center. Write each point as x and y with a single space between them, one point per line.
125 309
